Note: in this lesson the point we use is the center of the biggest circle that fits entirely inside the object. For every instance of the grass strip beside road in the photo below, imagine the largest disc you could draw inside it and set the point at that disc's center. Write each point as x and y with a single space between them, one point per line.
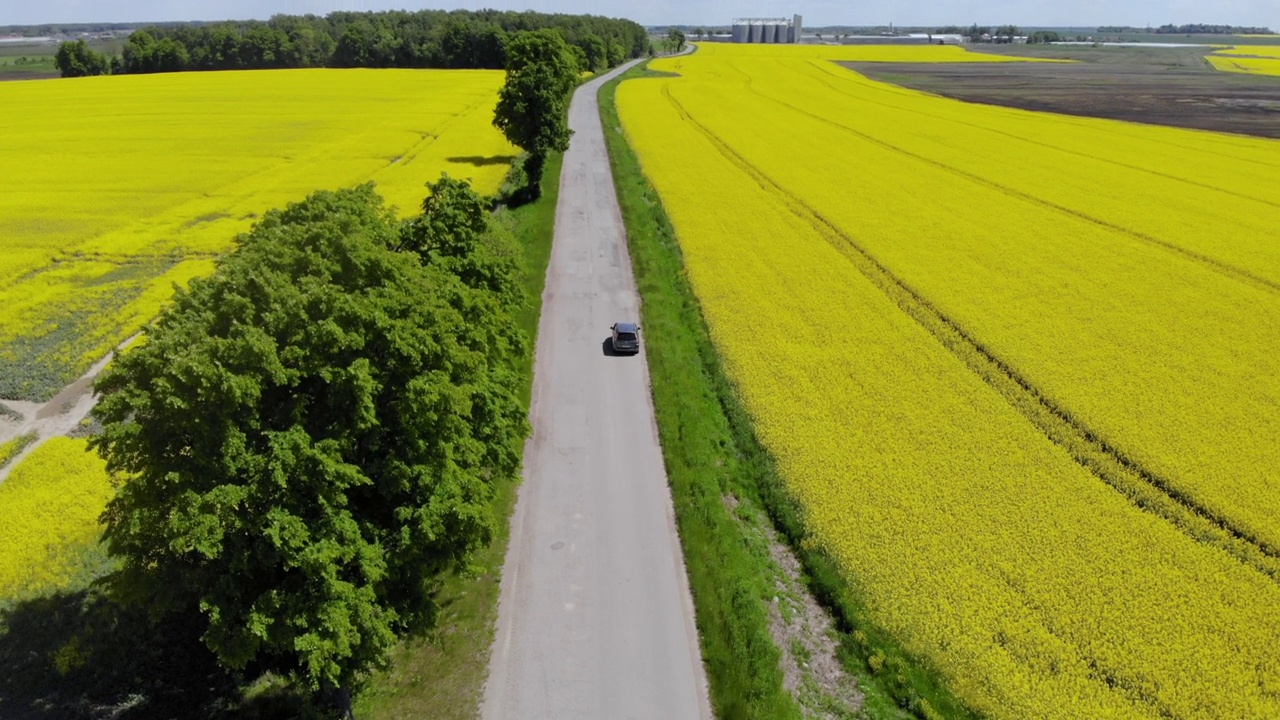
712 455
441 676
702 459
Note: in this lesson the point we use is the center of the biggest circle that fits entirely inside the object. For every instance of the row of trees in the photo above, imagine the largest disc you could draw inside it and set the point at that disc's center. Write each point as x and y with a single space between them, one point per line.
978 33
422 39
1043 36
314 434
77 59
675 41
1192 29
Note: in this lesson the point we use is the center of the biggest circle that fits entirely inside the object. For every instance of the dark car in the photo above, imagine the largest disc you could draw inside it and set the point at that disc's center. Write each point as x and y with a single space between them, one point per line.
626 337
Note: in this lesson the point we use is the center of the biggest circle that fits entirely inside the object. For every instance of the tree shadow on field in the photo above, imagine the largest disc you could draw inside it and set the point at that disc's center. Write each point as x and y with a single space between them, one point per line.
482 160
78 655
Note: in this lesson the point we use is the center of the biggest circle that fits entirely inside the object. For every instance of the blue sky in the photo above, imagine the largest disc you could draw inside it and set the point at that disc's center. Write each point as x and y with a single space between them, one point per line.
653 12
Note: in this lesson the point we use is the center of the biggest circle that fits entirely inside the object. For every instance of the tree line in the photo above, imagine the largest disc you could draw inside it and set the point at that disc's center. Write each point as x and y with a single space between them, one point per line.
981 33
1192 29
313 435
394 39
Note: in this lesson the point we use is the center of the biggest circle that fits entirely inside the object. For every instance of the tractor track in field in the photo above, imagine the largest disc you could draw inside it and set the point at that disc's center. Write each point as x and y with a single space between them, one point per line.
1144 489
1212 264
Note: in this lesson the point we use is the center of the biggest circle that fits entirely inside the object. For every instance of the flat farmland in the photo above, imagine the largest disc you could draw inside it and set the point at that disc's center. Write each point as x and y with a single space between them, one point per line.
1246 65
115 188
1248 59
29 61
1262 51
1017 367
1162 86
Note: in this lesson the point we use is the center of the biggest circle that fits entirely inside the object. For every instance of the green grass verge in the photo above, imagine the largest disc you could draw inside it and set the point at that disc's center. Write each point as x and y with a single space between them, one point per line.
534 225
11 448
442 676
711 452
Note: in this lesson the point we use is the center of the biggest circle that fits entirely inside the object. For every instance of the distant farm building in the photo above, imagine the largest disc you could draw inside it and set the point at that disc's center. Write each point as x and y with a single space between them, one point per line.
766 30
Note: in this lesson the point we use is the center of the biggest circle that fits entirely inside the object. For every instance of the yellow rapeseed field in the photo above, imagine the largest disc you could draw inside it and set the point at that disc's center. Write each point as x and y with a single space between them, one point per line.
1266 51
1248 65
50 504
1251 59
114 188
1042 232
1126 274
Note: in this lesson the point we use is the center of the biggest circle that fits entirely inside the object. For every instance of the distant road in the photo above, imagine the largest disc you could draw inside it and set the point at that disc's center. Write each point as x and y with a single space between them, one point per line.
595 620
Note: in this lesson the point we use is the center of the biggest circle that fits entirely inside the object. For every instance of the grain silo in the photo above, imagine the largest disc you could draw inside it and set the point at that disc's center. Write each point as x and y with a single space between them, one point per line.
766 30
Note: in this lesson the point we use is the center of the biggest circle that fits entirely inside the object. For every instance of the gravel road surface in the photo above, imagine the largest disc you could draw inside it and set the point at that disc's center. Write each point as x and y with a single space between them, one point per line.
595 619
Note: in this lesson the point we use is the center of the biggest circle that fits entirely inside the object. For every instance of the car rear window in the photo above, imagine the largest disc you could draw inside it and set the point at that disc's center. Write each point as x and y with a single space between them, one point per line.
626 336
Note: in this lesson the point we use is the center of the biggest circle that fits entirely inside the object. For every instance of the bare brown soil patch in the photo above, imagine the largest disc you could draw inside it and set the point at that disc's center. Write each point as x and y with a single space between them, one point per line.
1173 87
803 632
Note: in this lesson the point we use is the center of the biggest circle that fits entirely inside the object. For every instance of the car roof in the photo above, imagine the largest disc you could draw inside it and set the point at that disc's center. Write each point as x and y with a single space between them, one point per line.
626 327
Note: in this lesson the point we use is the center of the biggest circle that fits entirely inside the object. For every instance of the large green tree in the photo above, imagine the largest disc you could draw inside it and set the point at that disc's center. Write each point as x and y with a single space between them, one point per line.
312 435
143 53
533 104
456 232
675 40
77 59
597 52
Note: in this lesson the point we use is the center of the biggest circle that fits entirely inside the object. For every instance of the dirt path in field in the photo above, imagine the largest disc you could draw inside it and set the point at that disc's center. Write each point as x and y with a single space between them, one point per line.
62 415
595 618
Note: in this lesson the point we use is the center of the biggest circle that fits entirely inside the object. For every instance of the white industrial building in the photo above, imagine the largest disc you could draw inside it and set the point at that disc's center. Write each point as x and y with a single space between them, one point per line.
766 30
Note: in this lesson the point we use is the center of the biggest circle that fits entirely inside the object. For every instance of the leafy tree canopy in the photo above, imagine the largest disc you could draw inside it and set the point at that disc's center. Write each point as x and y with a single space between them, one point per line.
423 38
596 51
455 232
143 53
312 435
533 103
77 59
675 39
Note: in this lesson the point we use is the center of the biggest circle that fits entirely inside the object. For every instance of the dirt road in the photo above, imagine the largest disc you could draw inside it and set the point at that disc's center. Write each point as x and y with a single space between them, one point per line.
595 617
60 415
